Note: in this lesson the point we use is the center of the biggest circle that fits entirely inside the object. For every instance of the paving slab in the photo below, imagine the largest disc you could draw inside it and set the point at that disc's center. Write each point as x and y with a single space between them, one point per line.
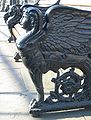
11 81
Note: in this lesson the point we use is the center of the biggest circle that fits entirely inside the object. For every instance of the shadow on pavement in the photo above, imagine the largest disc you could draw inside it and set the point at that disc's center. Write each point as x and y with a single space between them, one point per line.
4 34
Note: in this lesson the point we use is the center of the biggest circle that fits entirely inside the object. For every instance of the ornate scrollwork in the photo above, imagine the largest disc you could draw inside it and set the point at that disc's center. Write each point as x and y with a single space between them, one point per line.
68 87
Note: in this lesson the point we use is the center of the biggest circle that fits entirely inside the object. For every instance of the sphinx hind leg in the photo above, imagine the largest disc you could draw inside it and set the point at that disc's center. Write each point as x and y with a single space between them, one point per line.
37 80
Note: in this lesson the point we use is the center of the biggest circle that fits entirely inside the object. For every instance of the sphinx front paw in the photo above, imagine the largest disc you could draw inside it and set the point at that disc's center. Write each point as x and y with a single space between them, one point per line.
35 104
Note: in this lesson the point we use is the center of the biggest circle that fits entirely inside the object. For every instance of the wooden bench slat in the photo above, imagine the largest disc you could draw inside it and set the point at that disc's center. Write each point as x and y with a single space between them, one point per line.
18 30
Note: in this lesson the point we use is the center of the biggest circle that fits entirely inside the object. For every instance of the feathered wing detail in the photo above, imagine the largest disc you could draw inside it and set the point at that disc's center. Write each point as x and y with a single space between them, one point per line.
68 30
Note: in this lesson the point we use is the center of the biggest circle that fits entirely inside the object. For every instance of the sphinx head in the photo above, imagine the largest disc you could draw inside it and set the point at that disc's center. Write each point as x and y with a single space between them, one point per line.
31 19
12 11
32 22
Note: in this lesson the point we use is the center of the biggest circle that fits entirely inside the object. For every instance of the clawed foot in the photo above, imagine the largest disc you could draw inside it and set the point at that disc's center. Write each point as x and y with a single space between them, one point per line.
35 104
10 39
32 103
17 57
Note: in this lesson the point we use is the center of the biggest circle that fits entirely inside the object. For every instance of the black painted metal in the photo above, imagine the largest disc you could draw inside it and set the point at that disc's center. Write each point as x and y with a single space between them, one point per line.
57 37
12 17
60 39
14 14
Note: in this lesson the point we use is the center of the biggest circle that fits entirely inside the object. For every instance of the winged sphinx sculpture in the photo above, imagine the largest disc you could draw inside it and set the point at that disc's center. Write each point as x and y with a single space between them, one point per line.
13 16
62 41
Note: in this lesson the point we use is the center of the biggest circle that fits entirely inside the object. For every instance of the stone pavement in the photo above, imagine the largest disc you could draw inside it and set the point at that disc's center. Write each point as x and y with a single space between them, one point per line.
16 88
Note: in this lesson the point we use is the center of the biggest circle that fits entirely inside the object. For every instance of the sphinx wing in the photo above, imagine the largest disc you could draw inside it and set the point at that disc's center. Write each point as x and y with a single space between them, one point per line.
68 30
